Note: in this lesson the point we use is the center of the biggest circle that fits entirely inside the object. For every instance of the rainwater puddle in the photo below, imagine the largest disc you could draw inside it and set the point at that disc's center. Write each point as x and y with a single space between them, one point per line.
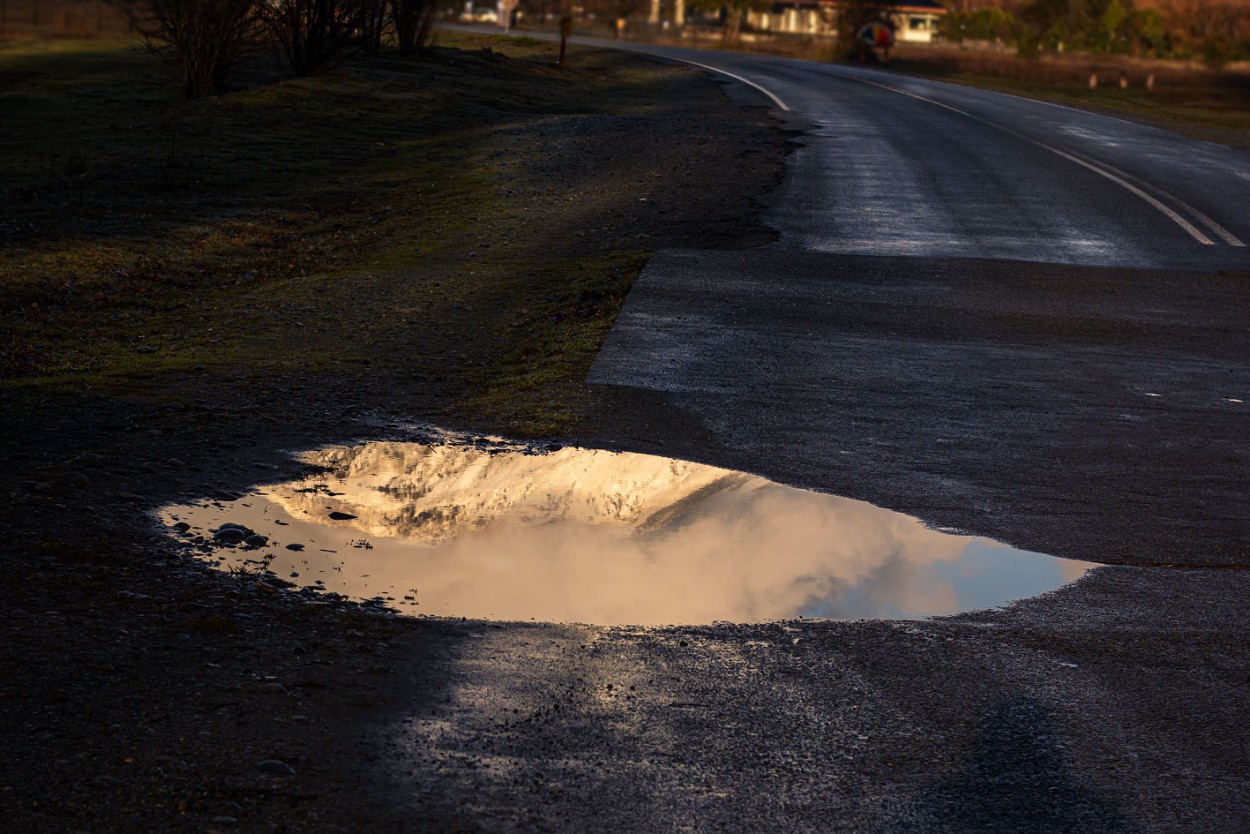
590 536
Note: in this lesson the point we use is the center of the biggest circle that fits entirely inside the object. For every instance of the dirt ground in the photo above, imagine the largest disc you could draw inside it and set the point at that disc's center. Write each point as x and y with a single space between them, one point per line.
144 692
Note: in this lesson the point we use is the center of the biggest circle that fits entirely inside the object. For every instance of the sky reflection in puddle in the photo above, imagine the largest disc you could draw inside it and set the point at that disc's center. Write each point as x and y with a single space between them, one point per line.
607 538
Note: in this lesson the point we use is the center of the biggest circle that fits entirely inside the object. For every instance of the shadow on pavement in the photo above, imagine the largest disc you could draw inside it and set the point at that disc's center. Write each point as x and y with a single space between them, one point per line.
1018 781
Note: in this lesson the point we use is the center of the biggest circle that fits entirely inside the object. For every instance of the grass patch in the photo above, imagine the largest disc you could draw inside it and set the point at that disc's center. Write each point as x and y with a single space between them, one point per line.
397 217
536 386
1205 103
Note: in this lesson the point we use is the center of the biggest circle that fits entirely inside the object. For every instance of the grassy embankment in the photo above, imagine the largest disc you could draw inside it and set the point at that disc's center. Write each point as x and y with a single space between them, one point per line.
397 218
1201 102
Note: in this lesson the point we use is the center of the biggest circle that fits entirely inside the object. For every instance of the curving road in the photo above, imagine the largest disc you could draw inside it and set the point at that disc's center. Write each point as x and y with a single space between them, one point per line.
1015 319
893 165
996 314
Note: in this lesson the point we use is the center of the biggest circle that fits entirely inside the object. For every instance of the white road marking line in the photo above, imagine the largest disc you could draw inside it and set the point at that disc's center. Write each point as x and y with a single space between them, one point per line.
1229 238
776 100
1128 186
1171 215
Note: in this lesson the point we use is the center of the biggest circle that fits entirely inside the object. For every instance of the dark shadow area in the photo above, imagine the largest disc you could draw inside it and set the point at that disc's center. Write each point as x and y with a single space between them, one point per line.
1017 782
158 346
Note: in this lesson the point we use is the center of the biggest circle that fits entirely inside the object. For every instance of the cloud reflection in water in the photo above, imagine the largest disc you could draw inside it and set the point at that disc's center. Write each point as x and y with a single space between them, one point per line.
614 538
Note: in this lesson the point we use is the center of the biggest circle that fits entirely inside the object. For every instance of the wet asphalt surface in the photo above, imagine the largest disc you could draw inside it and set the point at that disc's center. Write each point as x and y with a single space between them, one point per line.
1045 358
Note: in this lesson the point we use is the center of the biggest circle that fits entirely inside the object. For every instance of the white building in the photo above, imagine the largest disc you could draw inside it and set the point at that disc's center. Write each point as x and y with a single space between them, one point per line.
915 21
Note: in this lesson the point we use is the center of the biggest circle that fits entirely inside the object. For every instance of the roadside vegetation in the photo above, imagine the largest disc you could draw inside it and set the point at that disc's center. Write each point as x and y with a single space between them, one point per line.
1214 31
460 225
288 228
1195 100
1172 62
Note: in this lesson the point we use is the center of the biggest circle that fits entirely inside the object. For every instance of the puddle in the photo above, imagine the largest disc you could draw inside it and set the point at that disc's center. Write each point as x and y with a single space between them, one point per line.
590 536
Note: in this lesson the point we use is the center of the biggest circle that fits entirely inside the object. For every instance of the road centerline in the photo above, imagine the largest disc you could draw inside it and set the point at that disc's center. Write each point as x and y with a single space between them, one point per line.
1227 236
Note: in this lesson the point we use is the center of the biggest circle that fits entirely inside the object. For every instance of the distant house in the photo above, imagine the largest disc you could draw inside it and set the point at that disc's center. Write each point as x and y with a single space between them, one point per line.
914 21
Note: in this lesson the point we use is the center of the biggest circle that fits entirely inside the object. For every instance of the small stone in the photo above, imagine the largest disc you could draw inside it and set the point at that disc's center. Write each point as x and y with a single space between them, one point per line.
229 535
182 527
296 547
338 516
145 349
228 822
256 540
276 767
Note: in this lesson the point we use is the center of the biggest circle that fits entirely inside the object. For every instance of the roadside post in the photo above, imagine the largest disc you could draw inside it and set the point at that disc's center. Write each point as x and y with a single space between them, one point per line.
507 8
566 29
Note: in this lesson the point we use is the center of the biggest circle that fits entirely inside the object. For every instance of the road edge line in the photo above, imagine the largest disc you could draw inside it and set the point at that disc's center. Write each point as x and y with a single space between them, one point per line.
1166 211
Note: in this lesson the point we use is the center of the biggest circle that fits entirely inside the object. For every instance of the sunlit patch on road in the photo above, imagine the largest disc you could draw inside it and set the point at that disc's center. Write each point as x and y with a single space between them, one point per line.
496 531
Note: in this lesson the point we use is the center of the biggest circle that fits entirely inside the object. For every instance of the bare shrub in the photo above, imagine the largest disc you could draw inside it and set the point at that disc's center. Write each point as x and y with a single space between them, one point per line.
207 36
311 33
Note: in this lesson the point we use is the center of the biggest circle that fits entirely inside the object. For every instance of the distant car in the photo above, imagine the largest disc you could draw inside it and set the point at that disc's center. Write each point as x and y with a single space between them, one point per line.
481 14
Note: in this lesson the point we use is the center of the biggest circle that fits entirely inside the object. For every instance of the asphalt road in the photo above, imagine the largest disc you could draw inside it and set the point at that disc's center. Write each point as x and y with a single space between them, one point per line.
1006 317
998 315
893 165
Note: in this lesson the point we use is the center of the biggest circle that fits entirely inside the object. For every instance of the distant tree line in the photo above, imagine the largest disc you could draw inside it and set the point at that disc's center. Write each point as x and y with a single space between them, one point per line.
1213 30
209 37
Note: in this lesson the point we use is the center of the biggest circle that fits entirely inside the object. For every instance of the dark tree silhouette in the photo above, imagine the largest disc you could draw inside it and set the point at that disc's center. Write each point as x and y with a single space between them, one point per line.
311 33
371 22
414 23
206 36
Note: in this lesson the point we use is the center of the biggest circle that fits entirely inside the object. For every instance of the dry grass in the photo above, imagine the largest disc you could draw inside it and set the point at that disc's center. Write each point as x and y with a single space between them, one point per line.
1189 98
135 221
457 217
